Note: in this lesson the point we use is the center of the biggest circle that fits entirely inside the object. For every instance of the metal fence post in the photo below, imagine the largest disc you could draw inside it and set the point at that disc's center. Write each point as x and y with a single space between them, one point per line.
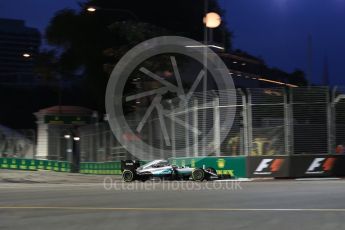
216 126
105 143
245 123
93 148
195 124
249 122
287 133
331 121
172 126
187 132
291 124
90 145
150 139
161 149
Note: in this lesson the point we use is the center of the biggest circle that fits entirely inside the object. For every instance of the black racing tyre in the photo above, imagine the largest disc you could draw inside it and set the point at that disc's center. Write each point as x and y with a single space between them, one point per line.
198 175
128 175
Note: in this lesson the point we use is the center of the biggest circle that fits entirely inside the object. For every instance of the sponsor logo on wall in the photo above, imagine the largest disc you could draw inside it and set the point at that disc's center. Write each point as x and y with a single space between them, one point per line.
268 166
221 163
321 165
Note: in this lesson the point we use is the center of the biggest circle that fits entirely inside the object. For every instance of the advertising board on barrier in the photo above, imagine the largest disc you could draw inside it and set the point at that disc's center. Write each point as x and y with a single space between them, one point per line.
34 164
268 166
317 165
296 166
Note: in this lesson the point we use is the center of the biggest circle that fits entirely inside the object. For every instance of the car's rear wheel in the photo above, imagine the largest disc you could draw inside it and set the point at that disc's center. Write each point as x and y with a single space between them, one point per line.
198 175
128 176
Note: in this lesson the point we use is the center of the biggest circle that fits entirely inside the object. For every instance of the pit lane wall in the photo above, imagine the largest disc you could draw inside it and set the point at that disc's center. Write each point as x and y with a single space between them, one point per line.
236 167
34 164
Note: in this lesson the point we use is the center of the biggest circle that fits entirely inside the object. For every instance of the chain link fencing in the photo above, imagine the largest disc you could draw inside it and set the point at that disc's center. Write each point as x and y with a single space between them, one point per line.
267 122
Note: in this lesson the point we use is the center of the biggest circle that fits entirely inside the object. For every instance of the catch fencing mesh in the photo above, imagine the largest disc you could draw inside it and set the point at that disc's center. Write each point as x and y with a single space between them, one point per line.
266 121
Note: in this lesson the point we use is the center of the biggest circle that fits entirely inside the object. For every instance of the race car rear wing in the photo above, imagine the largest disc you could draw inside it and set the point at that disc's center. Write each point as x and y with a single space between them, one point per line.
131 165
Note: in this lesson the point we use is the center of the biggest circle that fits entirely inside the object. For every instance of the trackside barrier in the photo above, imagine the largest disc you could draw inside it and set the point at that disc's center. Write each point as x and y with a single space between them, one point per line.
103 168
233 166
33 164
317 166
294 166
297 166
268 166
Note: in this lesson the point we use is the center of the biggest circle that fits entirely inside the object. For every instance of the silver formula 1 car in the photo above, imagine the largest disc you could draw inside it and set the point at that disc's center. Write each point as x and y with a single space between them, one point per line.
131 170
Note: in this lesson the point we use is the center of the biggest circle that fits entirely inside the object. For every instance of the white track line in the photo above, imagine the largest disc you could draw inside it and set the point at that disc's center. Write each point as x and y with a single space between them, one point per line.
174 209
318 179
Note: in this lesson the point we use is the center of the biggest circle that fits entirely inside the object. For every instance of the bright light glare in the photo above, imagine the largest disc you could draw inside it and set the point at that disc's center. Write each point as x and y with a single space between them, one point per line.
91 9
26 55
212 20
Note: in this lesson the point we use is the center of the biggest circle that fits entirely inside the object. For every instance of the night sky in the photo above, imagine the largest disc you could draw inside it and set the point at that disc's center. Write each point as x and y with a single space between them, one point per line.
275 30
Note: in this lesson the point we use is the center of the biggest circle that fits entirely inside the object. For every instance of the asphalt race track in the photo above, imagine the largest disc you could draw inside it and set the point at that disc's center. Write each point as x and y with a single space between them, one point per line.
259 205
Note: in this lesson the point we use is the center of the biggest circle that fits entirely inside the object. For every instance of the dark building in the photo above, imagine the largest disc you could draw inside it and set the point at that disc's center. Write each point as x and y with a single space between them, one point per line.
18 46
251 72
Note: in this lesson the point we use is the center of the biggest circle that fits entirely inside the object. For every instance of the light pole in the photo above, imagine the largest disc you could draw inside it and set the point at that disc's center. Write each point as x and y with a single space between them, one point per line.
68 148
72 150
211 20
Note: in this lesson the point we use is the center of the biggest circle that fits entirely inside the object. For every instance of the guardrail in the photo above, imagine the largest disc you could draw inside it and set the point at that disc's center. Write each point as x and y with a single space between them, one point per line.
33 164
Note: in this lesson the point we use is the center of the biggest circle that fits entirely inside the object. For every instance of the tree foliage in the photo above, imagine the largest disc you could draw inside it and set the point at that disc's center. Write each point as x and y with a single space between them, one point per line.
91 43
